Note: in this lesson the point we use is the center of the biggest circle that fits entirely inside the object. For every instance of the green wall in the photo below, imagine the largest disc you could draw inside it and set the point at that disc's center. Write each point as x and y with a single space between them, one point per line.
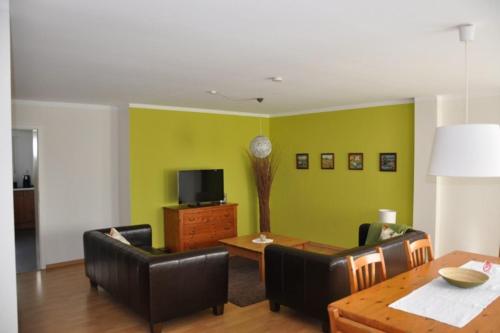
328 205
320 205
162 142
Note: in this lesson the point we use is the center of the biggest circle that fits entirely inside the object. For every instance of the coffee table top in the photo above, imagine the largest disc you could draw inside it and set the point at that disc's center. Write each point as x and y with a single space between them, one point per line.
245 242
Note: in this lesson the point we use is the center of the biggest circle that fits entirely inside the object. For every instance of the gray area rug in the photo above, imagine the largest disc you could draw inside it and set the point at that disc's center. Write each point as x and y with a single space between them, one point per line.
244 285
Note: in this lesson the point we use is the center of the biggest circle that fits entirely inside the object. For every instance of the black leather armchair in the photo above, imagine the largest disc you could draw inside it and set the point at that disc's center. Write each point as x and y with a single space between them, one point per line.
308 281
157 285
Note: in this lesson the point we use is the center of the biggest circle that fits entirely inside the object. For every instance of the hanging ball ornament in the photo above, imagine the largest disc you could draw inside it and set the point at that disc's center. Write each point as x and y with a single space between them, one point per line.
261 146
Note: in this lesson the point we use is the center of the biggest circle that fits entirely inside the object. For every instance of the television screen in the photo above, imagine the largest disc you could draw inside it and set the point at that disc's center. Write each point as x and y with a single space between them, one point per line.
198 186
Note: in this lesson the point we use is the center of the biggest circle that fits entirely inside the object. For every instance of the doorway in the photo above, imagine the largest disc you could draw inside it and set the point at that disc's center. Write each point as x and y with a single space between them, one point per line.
25 188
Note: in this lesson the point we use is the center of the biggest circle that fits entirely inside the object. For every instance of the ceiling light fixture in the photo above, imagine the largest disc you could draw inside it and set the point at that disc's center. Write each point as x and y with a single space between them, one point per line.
466 150
215 92
276 79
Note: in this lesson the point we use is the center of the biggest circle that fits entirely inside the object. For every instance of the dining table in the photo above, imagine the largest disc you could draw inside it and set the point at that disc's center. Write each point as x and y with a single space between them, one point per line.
371 306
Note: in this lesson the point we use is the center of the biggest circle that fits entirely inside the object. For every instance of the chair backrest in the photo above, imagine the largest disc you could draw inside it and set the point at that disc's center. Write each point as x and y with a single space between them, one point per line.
419 252
340 324
362 270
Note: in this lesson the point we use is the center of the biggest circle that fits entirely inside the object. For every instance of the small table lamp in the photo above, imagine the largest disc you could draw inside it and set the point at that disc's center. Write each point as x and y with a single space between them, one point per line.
386 216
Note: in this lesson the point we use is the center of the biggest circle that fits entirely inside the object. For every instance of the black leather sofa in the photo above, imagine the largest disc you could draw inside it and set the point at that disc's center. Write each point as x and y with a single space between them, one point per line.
157 285
308 282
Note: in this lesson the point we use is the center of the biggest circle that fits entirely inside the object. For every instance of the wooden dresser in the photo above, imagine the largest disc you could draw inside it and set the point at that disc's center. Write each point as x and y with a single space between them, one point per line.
24 208
197 227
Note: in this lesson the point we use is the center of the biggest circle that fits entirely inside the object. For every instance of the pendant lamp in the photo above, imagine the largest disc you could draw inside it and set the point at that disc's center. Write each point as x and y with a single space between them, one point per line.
261 146
466 150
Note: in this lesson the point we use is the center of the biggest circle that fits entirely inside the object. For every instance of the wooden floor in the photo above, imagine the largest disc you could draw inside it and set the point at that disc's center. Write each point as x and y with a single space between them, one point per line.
61 300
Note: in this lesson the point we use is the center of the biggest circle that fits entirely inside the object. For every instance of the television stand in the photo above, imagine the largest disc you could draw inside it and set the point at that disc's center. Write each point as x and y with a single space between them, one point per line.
197 227
205 204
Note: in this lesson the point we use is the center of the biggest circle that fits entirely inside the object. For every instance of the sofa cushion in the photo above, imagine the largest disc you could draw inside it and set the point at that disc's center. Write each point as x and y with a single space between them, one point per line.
375 231
113 233
388 233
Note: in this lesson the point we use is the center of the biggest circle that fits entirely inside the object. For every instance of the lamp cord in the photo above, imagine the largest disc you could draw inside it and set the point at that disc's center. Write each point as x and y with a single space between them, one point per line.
466 84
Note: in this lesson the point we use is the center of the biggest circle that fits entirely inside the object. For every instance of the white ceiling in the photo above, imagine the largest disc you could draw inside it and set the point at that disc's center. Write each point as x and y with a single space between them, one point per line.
329 52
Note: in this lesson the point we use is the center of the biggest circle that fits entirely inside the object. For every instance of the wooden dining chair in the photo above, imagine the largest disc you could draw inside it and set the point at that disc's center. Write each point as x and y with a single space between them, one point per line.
419 252
362 270
340 324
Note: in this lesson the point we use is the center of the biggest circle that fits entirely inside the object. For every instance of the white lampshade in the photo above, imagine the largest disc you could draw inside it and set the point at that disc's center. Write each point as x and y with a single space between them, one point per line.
469 150
386 216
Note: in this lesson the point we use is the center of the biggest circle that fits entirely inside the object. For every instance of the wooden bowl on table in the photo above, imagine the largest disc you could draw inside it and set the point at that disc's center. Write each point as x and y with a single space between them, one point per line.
463 277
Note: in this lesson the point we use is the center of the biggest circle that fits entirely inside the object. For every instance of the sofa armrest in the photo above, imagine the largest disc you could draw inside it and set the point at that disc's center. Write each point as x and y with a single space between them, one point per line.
184 282
138 235
304 280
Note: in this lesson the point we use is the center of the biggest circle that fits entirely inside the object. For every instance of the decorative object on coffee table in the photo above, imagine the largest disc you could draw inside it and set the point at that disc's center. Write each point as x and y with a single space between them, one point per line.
264 166
302 161
328 161
262 239
388 162
355 161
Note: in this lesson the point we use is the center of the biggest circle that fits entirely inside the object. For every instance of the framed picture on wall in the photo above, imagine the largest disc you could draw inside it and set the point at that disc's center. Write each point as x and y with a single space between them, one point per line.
388 162
328 161
355 161
302 161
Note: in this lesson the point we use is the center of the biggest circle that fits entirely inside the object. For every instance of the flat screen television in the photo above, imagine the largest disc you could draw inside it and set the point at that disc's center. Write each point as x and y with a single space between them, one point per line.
197 187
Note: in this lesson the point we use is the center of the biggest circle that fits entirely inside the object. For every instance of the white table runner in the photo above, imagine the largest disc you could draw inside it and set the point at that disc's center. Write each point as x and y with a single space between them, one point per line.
454 306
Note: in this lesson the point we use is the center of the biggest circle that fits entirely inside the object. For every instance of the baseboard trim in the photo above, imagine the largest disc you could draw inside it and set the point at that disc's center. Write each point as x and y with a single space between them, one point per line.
64 264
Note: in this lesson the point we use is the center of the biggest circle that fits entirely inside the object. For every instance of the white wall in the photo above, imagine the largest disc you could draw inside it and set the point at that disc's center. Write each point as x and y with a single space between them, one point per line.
460 213
22 151
8 300
469 209
424 188
124 164
78 172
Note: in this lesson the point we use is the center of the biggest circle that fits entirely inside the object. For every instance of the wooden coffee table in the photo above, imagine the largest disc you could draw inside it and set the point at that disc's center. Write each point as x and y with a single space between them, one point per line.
244 247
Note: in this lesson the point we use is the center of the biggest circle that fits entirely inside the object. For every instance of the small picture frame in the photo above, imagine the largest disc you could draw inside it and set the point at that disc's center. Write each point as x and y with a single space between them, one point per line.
327 161
302 161
355 161
388 162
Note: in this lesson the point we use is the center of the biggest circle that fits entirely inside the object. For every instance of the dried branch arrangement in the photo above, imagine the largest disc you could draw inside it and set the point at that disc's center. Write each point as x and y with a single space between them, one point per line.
264 170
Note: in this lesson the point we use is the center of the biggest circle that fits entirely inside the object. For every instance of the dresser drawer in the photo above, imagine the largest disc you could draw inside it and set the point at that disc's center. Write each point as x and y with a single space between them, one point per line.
200 238
225 215
198 244
223 225
190 218
198 227
225 233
